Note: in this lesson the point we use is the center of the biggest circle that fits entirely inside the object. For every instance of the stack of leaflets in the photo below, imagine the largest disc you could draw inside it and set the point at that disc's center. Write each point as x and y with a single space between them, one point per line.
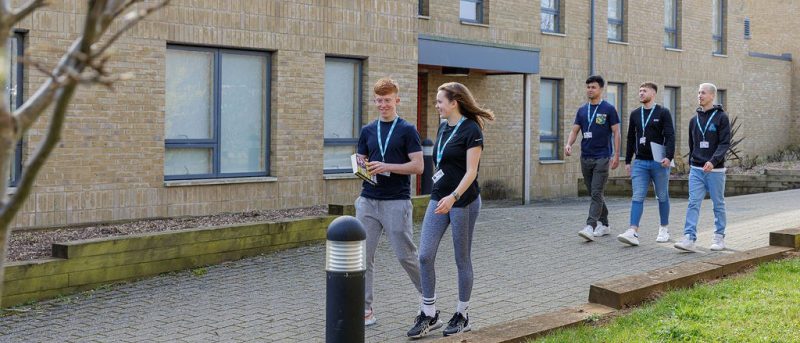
360 169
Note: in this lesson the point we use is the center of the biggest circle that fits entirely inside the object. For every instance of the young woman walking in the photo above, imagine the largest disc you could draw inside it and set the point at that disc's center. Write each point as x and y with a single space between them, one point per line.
455 201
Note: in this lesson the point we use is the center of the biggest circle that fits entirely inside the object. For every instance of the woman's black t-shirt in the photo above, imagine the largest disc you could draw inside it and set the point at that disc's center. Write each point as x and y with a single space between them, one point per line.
454 161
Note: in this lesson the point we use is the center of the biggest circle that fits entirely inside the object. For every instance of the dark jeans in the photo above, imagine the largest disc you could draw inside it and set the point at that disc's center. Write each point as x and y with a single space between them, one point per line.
595 175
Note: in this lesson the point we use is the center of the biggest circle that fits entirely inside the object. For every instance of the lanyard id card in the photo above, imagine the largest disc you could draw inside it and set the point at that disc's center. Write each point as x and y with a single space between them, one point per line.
643 140
438 175
704 145
587 135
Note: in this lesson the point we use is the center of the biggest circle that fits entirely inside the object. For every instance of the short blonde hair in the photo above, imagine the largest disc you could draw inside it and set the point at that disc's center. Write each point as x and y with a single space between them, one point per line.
709 87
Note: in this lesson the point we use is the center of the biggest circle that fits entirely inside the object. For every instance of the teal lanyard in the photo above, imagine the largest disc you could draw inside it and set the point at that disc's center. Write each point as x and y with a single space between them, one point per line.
644 123
440 147
382 147
703 131
591 118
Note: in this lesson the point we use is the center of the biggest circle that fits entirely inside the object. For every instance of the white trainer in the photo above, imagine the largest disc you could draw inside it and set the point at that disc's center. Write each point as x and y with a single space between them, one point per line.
369 318
602 230
587 233
718 242
663 234
686 244
629 237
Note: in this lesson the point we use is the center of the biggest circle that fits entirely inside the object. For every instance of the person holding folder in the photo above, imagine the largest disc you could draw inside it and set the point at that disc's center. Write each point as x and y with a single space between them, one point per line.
392 148
651 138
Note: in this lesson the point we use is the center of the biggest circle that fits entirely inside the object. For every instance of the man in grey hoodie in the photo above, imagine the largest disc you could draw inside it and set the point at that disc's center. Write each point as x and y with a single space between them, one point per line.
709 140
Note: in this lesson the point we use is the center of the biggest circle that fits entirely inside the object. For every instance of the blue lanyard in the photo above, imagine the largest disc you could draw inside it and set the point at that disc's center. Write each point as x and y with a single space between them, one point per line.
440 148
703 131
382 147
591 118
644 123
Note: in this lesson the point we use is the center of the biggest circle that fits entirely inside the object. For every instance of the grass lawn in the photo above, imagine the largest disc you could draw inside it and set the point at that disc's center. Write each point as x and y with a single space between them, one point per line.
763 306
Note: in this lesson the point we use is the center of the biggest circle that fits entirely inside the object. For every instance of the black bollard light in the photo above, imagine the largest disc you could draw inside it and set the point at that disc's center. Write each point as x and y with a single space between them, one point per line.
345 266
426 183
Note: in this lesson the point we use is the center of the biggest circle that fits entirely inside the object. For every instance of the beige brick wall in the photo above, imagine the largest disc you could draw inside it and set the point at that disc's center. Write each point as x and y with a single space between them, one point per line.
772 35
109 165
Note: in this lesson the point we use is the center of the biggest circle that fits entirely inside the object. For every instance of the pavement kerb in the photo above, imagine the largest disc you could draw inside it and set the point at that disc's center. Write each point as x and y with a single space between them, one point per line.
611 295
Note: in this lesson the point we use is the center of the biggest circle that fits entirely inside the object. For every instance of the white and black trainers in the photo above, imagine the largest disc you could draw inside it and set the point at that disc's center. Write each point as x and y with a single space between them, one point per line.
629 237
587 233
458 324
424 324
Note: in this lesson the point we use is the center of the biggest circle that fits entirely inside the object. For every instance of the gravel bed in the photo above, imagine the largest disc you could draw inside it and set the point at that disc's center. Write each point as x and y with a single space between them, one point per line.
27 245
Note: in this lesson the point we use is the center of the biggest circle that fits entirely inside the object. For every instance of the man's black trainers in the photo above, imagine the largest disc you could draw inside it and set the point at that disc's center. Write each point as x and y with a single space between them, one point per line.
424 324
457 324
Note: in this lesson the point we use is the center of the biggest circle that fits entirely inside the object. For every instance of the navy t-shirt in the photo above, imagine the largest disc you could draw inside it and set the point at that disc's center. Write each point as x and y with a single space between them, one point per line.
600 145
404 141
454 161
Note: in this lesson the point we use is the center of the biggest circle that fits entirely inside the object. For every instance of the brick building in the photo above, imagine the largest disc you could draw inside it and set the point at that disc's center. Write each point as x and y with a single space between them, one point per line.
240 105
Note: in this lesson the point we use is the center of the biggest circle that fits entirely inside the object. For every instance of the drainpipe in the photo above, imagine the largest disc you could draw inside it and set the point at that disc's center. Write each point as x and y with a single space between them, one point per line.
527 80
591 39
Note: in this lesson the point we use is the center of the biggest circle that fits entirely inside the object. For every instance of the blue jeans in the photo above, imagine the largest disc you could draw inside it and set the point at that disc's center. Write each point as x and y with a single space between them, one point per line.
701 182
643 172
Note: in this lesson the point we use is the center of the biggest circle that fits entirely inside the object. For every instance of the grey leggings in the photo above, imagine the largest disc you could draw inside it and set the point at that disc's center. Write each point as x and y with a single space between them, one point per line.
462 220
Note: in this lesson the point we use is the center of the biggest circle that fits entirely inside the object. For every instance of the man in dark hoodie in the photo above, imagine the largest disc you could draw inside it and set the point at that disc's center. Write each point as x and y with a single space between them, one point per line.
709 140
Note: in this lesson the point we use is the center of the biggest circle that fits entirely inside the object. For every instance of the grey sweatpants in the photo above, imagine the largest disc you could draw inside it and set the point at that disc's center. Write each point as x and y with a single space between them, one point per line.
462 222
393 217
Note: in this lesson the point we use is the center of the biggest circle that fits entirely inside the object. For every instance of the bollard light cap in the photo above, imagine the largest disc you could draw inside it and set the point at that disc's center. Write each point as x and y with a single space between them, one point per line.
346 229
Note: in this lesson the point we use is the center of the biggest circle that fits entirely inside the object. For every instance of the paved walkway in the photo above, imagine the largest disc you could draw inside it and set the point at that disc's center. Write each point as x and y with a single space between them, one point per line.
527 259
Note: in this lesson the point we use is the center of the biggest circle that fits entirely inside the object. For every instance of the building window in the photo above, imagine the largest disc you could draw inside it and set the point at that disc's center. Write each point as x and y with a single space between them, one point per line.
718 26
472 11
423 8
616 20
615 95
342 112
721 99
14 88
551 16
549 118
217 113
671 102
672 23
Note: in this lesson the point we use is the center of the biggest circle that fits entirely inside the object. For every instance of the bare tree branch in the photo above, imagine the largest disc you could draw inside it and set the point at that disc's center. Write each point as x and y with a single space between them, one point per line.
128 4
132 18
21 13
30 111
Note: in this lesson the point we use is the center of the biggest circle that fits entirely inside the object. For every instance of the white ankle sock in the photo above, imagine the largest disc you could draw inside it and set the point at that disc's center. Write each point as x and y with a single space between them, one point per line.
462 307
429 306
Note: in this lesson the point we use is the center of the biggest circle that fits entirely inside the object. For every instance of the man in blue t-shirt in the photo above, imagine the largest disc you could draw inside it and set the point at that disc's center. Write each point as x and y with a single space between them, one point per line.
599 123
392 148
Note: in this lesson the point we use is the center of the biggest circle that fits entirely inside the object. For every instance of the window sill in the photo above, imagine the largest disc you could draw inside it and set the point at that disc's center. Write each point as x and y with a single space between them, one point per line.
425 17
227 181
618 42
673 49
469 23
339 176
11 190
545 162
557 34
718 55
